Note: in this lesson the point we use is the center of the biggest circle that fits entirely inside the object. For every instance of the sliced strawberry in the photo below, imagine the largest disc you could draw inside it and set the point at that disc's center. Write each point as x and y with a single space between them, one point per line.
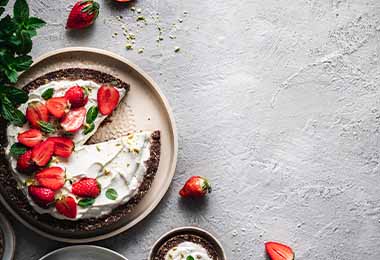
67 206
57 106
83 14
42 153
52 178
108 98
63 146
40 195
278 251
77 96
36 112
86 187
73 120
30 137
25 163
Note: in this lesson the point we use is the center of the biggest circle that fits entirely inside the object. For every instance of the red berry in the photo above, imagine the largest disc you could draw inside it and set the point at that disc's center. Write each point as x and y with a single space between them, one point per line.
108 98
67 206
36 112
196 186
83 14
30 137
42 153
40 195
57 106
278 251
25 163
52 178
63 146
86 187
77 96
74 120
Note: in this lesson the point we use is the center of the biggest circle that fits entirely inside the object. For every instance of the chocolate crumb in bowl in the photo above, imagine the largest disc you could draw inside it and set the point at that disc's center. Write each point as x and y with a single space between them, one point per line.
171 241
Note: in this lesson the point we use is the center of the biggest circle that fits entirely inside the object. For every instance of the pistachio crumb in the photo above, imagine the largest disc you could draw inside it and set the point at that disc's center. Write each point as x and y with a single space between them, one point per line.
177 49
133 8
129 46
98 148
141 50
138 10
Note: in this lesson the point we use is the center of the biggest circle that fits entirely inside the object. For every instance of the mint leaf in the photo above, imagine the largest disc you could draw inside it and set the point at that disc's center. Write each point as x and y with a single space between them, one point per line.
88 128
3 2
25 42
17 149
2 9
11 74
22 63
10 113
111 194
47 93
189 258
15 95
21 10
87 202
91 115
46 127
35 23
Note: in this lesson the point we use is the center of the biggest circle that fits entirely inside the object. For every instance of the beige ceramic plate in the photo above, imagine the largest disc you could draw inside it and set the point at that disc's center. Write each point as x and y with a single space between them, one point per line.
147 109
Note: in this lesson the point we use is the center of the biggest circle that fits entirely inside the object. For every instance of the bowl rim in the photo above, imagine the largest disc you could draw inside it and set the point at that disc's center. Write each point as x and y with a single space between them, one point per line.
199 231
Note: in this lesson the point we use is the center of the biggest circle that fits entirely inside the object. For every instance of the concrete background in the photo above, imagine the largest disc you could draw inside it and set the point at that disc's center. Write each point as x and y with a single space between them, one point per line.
277 102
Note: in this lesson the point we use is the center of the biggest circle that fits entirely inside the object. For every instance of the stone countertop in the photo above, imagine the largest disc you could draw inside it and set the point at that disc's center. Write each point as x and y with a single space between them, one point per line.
276 102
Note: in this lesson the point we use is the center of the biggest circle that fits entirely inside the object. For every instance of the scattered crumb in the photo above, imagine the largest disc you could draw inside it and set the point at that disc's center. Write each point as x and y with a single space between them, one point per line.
177 49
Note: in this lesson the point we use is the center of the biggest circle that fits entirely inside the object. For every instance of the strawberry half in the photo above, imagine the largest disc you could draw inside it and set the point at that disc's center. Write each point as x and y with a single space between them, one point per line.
63 146
52 178
30 137
77 96
57 106
83 14
74 120
40 195
25 163
196 186
42 153
36 112
67 206
278 251
108 98
86 187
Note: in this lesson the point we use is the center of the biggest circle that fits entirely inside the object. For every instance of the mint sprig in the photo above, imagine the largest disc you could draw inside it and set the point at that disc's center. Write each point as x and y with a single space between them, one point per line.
15 43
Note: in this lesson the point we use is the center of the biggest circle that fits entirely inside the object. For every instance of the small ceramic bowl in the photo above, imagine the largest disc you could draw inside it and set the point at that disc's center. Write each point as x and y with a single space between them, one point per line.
8 237
186 231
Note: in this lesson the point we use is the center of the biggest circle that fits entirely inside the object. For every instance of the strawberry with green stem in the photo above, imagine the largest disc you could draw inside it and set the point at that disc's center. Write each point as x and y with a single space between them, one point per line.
196 186
83 14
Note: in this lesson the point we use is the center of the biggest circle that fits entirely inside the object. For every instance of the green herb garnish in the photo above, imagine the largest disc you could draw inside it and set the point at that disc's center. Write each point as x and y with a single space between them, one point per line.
17 149
111 194
88 128
87 202
91 115
47 93
189 258
46 127
15 43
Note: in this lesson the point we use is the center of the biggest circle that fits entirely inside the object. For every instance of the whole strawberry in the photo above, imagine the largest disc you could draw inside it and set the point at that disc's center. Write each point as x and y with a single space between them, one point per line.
83 14
196 186
86 187
76 96
40 195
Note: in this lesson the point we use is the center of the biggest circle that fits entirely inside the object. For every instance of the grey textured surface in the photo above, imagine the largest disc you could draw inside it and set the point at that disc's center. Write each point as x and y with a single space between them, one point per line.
277 102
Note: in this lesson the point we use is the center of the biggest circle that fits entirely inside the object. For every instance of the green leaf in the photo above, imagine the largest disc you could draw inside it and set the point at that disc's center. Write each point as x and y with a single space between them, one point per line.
46 127
12 75
22 63
26 42
21 10
47 93
17 149
91 115
88 128
10 113
35 23
87 202
2 9
3 2
111 194
15 95
189 258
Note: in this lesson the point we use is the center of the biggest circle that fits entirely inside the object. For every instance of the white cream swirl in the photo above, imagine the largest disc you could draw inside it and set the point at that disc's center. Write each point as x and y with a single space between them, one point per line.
186 250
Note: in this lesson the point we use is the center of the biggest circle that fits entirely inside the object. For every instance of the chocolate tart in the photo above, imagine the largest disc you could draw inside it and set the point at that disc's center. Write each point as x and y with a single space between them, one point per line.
187 234
82 228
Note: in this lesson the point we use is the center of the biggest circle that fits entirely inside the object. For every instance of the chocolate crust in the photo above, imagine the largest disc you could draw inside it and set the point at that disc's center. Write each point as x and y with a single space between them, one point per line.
83 228
178 239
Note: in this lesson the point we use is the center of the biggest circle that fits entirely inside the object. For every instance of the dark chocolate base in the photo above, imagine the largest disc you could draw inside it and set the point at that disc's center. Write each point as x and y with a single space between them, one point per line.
83 228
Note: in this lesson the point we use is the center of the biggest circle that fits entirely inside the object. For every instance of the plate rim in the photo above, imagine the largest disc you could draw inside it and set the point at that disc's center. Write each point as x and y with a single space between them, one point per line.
84 247
173 165
9 238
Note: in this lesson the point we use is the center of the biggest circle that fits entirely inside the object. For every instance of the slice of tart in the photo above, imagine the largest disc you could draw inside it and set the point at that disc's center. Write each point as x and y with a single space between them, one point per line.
59 181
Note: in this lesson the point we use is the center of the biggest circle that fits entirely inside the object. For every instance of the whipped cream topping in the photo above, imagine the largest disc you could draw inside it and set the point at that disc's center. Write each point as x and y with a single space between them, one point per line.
184 250
117 164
